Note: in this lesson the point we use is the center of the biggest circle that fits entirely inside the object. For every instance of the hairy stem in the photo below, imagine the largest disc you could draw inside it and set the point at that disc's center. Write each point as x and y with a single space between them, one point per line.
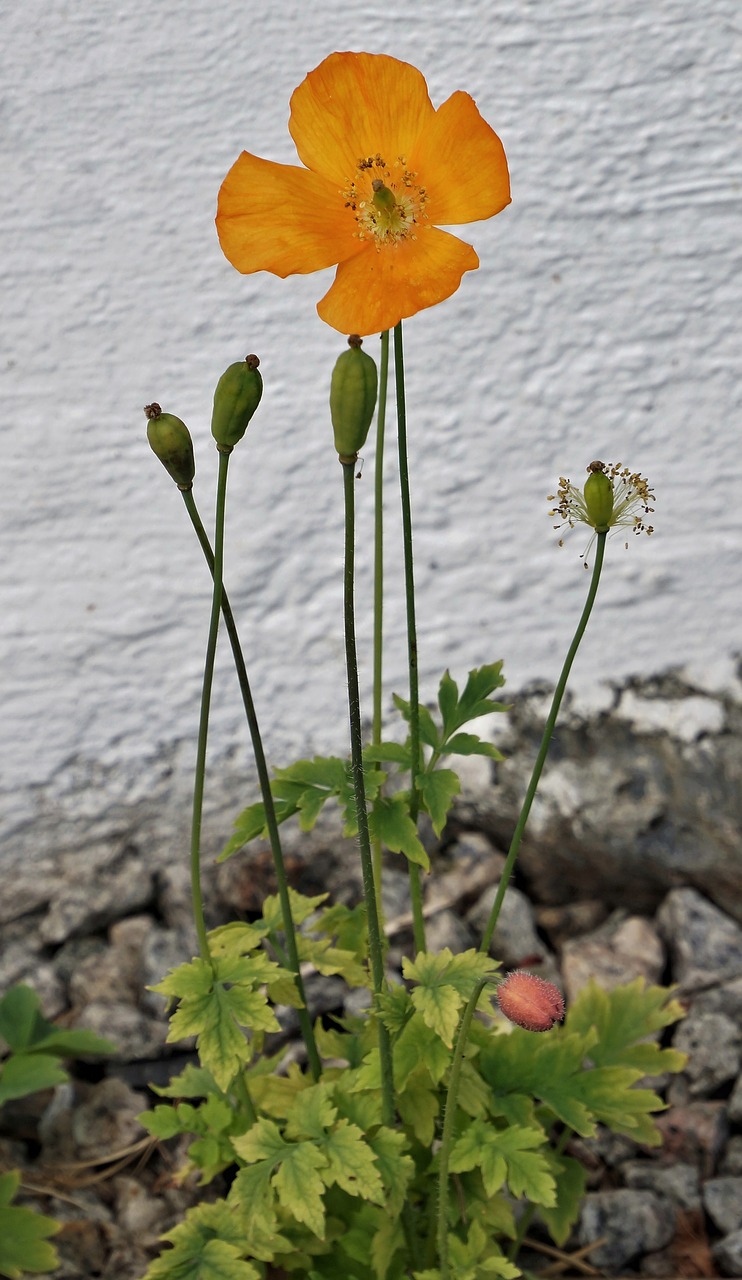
418 920
356 749
203 724
449 1116
556 703
305 1022
379 587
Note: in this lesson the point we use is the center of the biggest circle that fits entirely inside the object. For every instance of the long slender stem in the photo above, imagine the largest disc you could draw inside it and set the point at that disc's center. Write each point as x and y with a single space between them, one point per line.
379 585
556 703
466 1017
449 1116
359 787
305 1022
418 920
203 724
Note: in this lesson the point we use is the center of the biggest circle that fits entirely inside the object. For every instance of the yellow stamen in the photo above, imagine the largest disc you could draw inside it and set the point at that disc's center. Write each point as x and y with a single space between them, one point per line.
387 202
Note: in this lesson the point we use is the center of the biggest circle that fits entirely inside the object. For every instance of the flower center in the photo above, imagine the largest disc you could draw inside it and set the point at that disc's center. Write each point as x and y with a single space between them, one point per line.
387 201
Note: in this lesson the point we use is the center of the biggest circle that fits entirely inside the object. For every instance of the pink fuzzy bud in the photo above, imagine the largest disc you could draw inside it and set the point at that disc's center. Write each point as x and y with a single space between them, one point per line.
530 1002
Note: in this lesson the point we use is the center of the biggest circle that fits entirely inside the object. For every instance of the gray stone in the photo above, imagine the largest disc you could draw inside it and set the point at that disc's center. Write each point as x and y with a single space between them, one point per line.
722 1198
629 1223
358 1001
92 902
475 774
470 849
447 929
734 1104
29 887
728 1254
606 1148
658 1265
473 865
173 890
684 719
622 816
515 941
70 956
694 1134
20 962
395 892
677 1182
705 944
731 1159
714 1045
134 1034
139 1214
571 920
107 1121
624 948
114 972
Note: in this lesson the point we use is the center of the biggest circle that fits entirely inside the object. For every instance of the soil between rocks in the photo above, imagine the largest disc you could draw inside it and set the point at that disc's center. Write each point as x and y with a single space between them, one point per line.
672 1211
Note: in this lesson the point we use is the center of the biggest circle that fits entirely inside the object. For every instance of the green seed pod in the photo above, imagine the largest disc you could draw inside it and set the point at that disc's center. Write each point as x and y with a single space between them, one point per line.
352 399
598 493
236 398
170 440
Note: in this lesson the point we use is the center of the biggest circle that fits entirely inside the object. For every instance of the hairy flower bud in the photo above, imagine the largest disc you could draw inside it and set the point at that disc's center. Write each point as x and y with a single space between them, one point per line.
530 1002
236 398
352 399
170 440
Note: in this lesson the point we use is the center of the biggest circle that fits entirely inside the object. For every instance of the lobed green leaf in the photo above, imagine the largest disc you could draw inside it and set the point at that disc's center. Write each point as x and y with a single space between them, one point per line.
390 822
445 983
395 1165
570 1180
24 1027
438 790
428 731
623 1018
26 1073
468 744
23 1234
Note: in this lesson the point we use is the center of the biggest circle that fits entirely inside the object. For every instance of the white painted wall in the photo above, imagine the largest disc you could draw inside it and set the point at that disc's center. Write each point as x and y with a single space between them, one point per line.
604 321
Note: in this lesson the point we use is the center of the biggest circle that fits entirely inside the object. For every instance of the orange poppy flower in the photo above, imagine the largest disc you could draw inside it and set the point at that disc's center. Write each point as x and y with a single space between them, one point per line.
383 169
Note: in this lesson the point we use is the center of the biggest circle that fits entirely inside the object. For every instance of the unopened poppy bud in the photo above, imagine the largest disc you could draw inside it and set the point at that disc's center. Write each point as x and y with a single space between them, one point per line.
170 440
530 1002
236 398
352 399
598 493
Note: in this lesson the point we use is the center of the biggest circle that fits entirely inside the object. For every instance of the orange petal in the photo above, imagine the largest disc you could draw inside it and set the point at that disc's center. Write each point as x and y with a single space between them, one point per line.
461 163
355 105
280 218
379 287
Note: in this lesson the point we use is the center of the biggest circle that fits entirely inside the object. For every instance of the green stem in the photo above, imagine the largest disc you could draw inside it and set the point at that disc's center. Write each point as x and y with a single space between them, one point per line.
418 920
449 1117
359 787
305 1022
466 1017
379 586
556 702
203 724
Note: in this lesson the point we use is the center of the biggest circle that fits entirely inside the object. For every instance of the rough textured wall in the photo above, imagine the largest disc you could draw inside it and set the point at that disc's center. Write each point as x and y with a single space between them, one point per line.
603 322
